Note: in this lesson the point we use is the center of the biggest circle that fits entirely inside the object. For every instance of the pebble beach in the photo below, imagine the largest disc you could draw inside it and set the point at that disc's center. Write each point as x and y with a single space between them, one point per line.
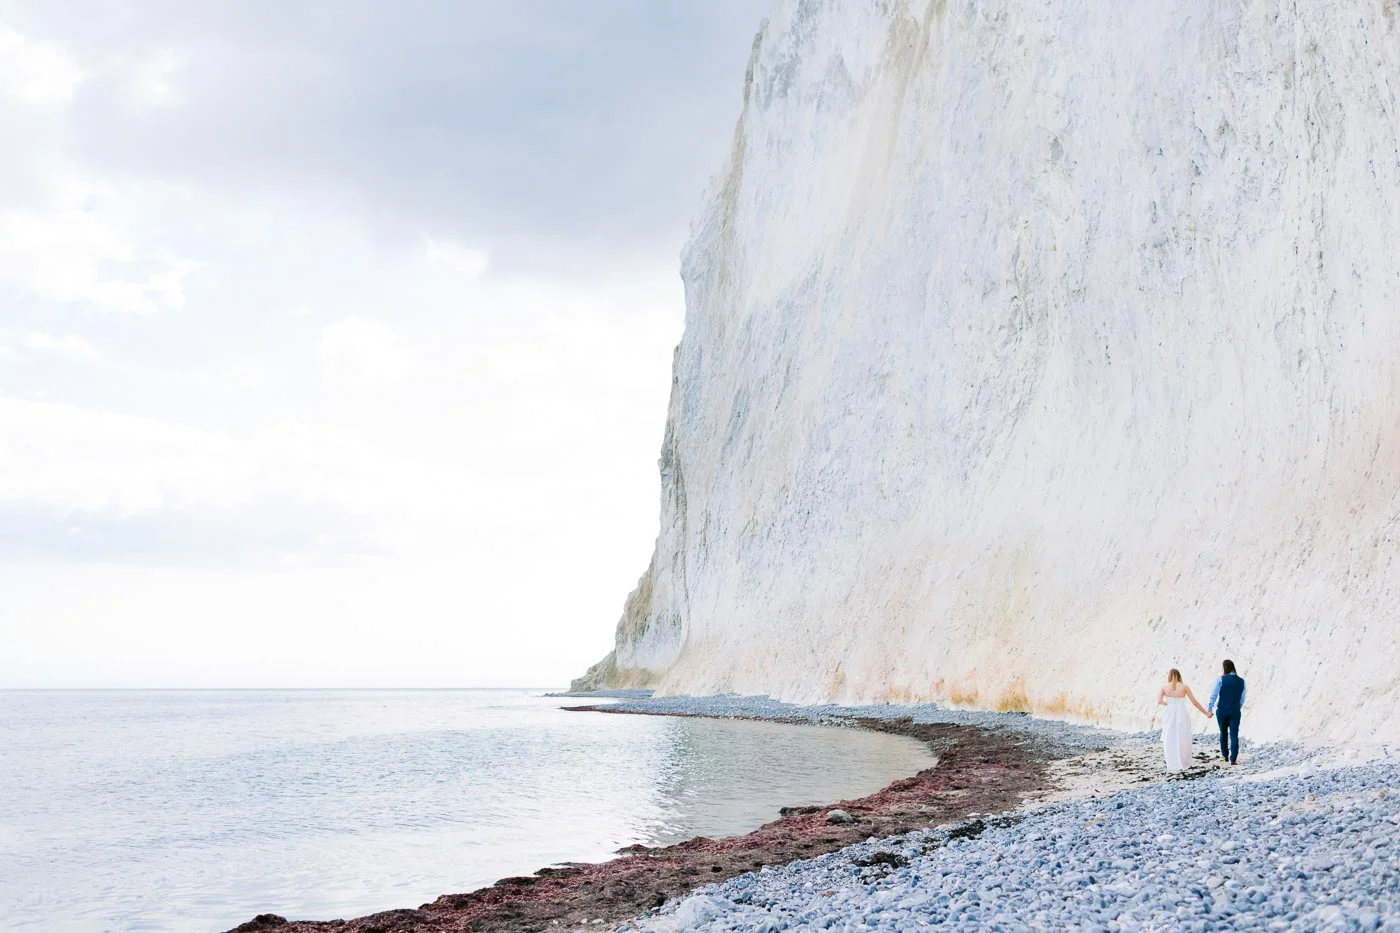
1291 839
1023 824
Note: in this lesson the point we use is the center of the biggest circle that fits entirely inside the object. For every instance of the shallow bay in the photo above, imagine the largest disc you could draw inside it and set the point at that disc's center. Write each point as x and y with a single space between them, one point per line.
189 810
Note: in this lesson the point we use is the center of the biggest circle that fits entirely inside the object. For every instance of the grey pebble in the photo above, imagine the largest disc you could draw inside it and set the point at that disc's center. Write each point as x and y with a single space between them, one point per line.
1301 850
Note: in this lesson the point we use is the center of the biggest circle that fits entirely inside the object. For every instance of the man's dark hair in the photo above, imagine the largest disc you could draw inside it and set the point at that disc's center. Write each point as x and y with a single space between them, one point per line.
1229 667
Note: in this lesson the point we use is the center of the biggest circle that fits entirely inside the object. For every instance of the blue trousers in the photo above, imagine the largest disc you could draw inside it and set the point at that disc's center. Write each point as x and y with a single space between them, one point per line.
1229 729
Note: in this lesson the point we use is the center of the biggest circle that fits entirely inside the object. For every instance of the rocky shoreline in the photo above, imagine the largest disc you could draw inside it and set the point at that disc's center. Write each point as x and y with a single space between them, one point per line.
1022 824
1294 838
981 770
1307 850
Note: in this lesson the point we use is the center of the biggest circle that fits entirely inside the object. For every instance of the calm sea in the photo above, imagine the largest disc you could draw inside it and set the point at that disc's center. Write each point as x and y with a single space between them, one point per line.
195 810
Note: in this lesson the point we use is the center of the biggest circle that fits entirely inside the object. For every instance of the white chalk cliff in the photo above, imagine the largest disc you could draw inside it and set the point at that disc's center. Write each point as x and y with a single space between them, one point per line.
1034 348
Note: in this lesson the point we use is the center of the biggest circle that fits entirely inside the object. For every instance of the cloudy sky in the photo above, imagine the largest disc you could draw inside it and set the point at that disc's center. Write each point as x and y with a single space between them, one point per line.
335 334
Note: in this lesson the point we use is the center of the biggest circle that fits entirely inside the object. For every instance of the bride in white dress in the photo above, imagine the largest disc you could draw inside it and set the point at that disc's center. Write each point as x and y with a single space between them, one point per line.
1176 723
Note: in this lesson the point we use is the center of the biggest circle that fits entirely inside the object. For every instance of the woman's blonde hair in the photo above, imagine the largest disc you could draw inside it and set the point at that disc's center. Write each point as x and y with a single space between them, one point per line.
1173 676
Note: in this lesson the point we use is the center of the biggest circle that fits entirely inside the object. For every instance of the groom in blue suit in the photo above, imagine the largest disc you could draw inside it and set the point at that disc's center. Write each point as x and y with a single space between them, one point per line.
1226 701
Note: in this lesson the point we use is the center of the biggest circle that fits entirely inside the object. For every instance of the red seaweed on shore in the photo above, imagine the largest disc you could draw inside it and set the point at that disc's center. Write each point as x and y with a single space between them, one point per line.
979 771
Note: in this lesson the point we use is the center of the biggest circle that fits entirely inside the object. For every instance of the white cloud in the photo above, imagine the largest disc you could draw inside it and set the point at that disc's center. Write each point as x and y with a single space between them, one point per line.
79 254
166 286
151 81
36 72
69 236
69 458
66 345
476 431
360 355
455 257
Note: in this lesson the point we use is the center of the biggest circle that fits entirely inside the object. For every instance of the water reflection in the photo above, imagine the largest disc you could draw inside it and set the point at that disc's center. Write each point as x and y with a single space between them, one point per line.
725 777
196 810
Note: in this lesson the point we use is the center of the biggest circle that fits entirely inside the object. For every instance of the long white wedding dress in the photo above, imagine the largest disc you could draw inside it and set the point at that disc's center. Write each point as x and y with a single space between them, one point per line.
1176 734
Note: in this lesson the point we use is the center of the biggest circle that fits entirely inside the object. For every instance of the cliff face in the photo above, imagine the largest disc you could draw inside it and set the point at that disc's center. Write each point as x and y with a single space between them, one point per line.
1032 349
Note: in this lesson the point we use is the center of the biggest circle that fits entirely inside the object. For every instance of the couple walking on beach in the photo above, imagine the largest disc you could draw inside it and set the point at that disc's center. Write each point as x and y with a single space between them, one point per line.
1226 702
